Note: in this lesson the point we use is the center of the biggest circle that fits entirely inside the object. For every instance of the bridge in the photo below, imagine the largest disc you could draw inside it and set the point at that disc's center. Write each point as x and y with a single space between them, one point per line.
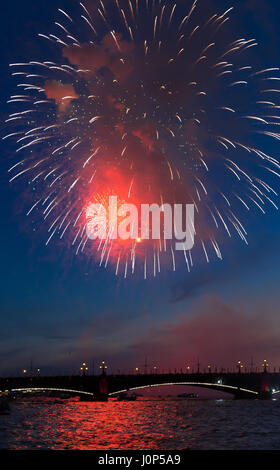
262 385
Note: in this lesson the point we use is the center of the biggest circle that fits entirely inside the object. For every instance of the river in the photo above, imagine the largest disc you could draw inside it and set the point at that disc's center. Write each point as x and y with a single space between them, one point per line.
146 424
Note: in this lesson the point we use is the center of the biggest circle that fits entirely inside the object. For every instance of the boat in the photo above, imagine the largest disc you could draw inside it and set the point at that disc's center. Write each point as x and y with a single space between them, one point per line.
89 398
126 397
187 395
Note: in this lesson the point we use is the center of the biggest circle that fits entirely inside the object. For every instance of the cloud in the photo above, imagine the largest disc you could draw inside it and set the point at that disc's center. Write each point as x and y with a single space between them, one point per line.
63 94
106 55
215 332
245 259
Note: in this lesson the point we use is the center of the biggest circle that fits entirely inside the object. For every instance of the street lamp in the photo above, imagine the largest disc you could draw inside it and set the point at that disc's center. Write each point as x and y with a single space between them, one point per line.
265 365
188 369
24 372
209 369
103 367
239 366
84 369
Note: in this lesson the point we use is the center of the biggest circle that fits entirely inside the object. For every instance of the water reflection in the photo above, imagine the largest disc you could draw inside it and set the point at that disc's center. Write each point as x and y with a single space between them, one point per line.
143 425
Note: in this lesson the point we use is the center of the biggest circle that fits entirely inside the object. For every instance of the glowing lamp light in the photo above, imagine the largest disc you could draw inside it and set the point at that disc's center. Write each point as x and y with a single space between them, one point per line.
103 366
265 365
84 368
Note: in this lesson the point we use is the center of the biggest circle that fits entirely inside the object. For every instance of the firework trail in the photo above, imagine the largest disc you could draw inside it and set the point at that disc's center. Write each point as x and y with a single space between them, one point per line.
148 102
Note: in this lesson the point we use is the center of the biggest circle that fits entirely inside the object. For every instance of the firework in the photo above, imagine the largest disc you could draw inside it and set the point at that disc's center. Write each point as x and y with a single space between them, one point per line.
147 101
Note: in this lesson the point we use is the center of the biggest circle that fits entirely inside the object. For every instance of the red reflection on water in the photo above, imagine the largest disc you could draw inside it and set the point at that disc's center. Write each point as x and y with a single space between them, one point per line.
143 425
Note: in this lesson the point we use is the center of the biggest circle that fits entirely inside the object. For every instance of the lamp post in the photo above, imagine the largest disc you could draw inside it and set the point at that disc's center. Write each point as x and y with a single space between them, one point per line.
84 369
103 367
239 366
265 365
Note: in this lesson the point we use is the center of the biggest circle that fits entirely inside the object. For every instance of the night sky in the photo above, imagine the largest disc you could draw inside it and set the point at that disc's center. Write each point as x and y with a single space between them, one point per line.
58 310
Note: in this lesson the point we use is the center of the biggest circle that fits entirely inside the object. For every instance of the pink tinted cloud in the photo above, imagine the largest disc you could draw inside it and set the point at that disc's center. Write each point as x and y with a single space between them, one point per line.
63 94
218 334
108 54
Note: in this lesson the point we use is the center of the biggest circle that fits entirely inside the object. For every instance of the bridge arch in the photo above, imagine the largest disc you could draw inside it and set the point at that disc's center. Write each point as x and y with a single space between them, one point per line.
51 389
236 391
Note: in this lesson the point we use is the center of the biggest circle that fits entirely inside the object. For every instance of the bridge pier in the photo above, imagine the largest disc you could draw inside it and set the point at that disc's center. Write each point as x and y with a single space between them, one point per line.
266 391
265 395
103 387
101 394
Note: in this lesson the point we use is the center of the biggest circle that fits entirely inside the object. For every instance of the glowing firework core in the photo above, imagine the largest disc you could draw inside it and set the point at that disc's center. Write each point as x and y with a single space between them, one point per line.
106 226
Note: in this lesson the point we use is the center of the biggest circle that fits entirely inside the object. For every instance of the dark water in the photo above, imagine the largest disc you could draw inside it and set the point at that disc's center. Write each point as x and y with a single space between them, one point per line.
145 424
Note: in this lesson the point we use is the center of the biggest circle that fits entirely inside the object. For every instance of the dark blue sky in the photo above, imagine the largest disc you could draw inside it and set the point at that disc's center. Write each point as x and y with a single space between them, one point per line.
58 311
